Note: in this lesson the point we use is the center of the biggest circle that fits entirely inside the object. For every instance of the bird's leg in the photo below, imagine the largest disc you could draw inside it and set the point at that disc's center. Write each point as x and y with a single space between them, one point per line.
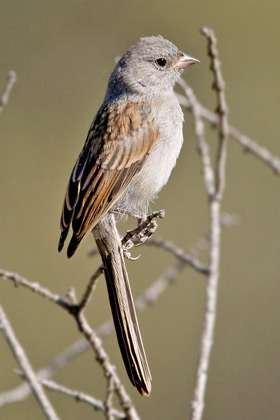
145 229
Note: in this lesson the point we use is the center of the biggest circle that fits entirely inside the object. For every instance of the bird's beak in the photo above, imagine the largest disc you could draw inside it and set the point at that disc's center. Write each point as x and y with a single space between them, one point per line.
184 61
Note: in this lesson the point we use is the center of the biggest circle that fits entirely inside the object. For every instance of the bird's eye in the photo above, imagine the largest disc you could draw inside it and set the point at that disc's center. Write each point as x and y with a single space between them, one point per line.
161 62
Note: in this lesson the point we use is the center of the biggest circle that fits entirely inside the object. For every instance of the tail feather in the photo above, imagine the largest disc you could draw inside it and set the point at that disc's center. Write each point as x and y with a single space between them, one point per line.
122 306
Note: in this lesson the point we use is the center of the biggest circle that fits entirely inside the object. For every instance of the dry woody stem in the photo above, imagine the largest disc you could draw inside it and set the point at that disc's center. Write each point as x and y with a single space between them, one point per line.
214 180
26 368
222 110
98 405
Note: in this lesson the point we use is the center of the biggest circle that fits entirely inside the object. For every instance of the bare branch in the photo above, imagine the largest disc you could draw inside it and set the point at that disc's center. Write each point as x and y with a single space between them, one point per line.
212 279
89 334
34 287
11 80
80 396
180 254
109 413
108 369
148 297
250 145
203 148
207 337
222 110
214 200
90 288
101 355
26 368
21 392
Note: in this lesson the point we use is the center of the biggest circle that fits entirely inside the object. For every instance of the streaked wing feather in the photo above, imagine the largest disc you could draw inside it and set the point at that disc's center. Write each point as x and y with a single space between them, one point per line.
118 143
72 196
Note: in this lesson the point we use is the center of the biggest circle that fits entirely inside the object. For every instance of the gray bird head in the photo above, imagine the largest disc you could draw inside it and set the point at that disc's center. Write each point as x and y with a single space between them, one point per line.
150 67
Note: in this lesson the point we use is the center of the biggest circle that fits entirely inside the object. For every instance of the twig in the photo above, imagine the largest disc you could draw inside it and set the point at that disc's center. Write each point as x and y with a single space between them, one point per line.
145 299
149 296
90 288
203 148
80 396
108 369
179 253
22 391
214 188
11 80
211 296
26 368
88 333
222 110
109 412
101 356
19 280
249 144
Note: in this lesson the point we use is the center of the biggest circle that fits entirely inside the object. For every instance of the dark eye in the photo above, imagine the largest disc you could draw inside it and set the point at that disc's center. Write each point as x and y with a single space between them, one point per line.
161 62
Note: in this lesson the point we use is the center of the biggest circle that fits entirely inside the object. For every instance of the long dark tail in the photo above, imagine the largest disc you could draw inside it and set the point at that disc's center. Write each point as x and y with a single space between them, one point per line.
122 306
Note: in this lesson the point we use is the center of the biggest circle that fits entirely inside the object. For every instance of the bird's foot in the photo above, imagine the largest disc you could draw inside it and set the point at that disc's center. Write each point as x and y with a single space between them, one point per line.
138 236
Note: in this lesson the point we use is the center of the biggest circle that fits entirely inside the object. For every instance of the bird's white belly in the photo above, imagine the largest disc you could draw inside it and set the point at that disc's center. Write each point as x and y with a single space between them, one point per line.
156 171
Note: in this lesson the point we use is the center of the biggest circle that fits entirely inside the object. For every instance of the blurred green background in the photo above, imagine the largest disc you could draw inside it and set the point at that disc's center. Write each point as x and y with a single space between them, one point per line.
63 53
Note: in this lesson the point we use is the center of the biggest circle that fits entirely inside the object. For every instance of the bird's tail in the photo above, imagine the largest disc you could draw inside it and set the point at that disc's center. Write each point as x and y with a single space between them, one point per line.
122 305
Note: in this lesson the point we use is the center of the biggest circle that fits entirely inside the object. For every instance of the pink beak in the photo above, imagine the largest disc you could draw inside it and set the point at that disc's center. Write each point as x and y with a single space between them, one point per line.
185 61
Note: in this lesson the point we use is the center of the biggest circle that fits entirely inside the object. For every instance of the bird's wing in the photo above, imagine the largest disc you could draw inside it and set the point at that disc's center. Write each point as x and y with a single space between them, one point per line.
119 140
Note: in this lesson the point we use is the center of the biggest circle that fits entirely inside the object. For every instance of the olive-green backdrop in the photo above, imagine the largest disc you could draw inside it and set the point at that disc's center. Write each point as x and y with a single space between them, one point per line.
63 52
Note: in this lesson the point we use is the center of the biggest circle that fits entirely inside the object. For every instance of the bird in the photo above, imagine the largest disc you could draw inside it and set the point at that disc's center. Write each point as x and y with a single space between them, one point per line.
130 150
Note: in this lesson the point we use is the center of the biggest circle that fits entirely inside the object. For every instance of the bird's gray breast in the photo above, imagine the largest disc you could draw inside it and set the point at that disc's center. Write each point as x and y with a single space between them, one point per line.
162 159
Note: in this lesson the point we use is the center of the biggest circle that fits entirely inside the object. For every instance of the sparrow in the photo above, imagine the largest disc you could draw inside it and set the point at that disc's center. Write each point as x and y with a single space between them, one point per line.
130 150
